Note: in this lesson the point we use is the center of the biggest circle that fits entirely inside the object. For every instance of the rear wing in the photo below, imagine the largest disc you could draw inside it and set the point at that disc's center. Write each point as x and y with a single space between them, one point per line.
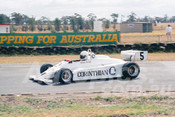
132 55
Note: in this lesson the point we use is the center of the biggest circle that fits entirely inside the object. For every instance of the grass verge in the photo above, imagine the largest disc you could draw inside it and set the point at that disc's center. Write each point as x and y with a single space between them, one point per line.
98 106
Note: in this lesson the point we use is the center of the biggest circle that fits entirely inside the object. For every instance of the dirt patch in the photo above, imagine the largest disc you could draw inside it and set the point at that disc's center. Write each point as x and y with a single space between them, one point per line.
154 37
58 58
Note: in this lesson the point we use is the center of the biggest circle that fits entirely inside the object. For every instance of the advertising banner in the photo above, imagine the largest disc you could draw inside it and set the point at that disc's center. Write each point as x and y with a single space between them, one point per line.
59 39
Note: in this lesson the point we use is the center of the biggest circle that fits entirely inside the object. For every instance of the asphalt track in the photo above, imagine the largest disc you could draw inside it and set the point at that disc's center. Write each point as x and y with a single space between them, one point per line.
155 76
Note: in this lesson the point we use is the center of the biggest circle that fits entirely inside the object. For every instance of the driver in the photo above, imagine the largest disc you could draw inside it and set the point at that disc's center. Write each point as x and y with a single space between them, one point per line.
84 55
87 55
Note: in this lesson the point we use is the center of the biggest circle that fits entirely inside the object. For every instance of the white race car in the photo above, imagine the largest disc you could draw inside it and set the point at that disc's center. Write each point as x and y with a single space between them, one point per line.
91 66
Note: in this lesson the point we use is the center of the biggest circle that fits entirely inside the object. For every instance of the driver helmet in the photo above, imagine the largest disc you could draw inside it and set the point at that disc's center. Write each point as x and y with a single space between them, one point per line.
84 55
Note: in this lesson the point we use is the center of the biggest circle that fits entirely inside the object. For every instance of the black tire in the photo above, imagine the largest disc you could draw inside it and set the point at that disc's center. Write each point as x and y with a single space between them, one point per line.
44 67
65 76
130 70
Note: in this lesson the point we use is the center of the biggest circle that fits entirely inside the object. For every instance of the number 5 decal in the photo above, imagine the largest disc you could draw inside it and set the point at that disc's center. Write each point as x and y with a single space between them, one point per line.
141 55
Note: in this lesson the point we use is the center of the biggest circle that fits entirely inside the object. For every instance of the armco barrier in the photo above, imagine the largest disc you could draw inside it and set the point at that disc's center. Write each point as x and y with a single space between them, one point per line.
59 39
154 47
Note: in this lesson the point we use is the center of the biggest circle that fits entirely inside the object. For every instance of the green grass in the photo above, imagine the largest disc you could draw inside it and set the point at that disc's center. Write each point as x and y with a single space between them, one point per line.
32 101
130 109
107 99
19 109
156 97
4 108
52 104
97 106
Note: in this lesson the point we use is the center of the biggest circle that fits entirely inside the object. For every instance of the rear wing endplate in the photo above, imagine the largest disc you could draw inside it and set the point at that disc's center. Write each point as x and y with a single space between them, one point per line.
132 55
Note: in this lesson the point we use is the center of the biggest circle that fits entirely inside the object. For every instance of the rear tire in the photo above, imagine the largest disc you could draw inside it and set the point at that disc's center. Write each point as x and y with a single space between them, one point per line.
130 70
44 67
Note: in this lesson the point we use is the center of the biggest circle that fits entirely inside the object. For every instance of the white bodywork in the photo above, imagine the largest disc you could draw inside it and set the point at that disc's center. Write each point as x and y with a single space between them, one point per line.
95 67
131 55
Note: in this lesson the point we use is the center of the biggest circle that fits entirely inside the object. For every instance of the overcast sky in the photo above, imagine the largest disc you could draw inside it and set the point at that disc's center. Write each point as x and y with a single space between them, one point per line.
101 8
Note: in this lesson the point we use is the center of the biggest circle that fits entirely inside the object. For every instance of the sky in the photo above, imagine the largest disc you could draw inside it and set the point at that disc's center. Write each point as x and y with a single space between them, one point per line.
101 8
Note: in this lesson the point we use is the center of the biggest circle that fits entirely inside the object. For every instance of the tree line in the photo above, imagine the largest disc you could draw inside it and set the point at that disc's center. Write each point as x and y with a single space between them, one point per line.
76 21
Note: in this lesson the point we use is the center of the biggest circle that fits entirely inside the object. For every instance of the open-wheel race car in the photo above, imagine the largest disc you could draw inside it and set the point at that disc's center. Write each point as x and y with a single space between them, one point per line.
91 66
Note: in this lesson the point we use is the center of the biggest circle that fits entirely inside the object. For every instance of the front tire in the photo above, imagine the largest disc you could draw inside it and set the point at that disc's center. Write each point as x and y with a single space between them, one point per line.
44 67
130 70
65 76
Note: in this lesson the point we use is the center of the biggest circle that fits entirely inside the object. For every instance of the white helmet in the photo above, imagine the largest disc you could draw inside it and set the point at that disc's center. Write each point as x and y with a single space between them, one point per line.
84 55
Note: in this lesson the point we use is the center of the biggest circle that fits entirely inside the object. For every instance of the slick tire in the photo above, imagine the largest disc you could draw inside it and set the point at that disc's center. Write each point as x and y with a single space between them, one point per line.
44 67
66 76
130 70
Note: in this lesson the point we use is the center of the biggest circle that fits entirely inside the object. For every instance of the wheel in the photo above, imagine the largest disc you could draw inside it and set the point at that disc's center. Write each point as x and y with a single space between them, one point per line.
66 76
130 70
44 67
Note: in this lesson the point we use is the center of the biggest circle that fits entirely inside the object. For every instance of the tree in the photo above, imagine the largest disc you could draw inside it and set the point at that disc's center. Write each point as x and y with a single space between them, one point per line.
17 18
107 24
165 19
45 20
79 21
103 20
132 17
49 27
39 25
32 24
87 24
57 24
92 18
73 23
172 19
114 17
145 19
25 19
25 26
4 19
158 19
65 21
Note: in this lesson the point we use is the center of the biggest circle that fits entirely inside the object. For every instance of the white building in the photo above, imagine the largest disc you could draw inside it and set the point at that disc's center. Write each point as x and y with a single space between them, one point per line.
4 28
98 26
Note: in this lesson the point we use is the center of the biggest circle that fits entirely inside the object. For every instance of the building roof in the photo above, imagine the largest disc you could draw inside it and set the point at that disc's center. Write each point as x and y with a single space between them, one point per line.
137 23
4 24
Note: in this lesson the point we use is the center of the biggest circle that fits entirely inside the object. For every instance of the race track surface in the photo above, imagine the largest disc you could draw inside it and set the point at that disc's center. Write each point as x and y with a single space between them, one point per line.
155 76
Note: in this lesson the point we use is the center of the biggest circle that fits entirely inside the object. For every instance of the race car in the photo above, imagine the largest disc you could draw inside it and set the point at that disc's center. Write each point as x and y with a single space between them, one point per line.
91 66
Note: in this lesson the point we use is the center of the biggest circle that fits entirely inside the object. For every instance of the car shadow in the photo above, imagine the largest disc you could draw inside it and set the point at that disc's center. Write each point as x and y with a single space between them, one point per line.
39 82
96 80
86 81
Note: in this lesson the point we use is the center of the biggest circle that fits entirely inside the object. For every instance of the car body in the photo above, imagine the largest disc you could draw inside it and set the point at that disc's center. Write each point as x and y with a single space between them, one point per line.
93 67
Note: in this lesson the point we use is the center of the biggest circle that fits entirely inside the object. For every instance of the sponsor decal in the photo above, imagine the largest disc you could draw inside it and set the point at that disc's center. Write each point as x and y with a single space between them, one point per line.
93 56
131 25
93 73
112 71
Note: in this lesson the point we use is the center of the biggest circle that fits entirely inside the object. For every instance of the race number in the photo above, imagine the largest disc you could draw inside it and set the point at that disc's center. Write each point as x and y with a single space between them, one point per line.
142 56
